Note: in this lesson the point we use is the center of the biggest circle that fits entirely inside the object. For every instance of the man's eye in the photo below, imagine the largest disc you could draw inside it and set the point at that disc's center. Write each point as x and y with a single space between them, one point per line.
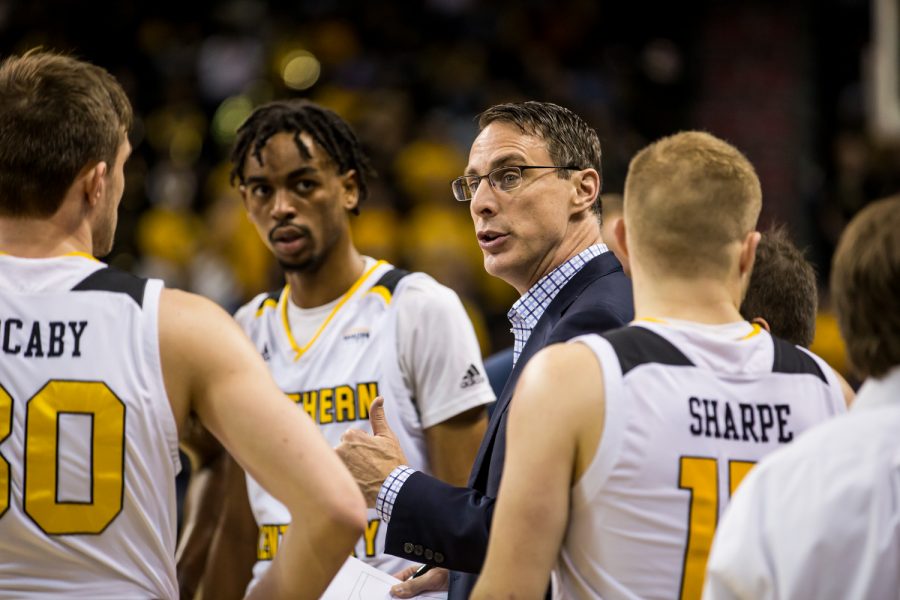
260 191
509 178
305 185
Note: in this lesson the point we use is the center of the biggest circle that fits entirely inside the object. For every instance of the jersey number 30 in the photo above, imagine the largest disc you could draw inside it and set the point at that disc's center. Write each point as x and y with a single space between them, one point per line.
42 457
701 477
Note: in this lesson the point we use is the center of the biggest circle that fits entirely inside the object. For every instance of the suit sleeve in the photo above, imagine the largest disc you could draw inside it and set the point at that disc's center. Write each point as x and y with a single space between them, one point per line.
436 523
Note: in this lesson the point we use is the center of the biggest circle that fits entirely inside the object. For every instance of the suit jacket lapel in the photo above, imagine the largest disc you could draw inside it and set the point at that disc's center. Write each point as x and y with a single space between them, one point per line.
595 268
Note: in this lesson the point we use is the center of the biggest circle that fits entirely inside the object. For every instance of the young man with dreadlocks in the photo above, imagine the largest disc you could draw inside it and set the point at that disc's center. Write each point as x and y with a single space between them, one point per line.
347 328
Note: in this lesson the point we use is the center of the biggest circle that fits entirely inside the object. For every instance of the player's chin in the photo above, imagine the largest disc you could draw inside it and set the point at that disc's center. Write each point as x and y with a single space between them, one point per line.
307 262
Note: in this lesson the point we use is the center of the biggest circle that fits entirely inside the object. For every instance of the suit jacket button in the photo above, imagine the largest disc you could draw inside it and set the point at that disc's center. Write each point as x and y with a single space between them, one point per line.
438 557
408 547
418 550
428 554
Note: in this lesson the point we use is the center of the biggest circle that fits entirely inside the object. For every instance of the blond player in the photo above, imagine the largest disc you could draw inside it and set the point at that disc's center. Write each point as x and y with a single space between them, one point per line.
100 371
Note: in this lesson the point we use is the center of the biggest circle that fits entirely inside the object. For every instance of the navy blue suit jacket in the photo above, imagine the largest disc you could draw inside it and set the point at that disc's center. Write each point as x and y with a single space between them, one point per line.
436 523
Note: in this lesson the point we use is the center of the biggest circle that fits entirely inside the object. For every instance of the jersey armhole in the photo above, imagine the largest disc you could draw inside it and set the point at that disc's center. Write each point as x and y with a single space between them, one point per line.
614 420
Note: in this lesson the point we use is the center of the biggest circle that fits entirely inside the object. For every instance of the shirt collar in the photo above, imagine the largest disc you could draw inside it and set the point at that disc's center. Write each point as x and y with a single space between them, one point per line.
878 392
528 310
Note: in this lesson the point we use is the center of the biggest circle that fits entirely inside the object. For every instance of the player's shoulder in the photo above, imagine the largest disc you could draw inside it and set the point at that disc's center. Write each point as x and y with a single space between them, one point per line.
421 292
257 307
111 279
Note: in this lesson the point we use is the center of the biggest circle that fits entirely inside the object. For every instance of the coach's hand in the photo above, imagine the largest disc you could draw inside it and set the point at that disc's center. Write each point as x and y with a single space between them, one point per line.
371 458
435 580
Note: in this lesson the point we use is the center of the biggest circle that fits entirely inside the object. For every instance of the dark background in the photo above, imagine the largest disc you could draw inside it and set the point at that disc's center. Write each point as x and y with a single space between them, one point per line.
781 80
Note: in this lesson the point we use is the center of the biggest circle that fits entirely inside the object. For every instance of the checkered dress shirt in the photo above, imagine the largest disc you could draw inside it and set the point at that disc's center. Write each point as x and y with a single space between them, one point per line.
528 310
523 315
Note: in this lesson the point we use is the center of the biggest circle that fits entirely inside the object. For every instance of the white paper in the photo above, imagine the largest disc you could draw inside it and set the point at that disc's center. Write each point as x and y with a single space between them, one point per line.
358 581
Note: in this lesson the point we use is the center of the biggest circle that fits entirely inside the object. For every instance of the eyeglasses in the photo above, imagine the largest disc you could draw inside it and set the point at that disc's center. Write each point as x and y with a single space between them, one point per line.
502 178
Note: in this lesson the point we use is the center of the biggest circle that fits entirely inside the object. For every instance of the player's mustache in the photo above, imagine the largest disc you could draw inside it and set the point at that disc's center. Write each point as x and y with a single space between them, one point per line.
281 229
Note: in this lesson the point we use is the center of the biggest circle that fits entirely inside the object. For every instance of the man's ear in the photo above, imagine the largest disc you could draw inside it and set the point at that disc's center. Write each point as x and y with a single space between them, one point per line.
747 258
762 323
94 179
350 186
587 188
622 242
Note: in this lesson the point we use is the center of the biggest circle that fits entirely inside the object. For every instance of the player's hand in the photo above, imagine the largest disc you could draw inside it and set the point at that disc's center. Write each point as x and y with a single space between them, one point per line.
435 580
370 458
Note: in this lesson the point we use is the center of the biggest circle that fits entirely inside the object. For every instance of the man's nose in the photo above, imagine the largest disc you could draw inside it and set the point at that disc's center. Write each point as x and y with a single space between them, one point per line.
282 204
484 200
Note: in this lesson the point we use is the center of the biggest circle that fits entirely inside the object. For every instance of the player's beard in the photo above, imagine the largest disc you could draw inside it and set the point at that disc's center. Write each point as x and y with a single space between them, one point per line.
310 263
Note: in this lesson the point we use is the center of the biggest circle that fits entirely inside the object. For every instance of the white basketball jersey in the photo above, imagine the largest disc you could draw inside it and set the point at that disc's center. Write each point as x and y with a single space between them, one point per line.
689 409
88 443
334 378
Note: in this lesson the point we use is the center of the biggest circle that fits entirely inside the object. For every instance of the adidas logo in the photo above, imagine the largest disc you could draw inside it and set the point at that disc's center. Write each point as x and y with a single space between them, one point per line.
472 377
265 352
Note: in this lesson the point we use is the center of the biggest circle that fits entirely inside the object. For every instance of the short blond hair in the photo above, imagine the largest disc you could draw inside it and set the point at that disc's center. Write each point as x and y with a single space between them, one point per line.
687 197
865 286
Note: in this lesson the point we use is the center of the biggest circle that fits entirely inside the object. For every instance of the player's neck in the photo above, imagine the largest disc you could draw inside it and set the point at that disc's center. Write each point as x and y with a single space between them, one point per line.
701 300
44 238
341 268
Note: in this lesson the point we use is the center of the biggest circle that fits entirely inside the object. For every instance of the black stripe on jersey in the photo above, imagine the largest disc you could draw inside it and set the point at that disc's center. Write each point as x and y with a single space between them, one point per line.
274 295
636 346
790 359
390 279
112 279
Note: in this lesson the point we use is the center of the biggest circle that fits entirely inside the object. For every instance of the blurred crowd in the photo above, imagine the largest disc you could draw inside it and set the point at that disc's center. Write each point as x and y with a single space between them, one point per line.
779 79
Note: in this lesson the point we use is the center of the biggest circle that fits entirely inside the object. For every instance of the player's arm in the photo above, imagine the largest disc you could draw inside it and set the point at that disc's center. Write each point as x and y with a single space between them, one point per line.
202 505
212 369
452 445
217 548
550 441
232 551
441 362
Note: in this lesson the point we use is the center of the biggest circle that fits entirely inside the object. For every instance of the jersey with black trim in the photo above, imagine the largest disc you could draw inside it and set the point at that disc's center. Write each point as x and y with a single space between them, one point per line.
689 408
88 442
335 375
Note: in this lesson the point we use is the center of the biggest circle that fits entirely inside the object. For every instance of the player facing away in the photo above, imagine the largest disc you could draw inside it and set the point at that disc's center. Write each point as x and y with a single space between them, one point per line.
819 519
622 483
101 369
346 328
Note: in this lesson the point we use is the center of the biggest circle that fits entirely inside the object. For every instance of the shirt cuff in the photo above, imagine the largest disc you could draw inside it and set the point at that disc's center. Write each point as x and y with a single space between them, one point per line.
384 503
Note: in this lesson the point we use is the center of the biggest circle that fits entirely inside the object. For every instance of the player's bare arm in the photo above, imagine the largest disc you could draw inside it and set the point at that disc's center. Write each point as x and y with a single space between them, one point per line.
202 504
550 442
453 444
212 369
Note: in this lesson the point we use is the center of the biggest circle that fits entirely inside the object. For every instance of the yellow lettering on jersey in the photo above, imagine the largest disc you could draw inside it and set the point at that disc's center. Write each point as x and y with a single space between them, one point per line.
737 470
370 534
365 394
107 457
344 408
700 476
309 403
338 404
326 406
6 403
269 539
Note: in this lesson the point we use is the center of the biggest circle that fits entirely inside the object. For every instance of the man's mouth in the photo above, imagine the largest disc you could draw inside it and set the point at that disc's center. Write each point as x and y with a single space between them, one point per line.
489 239
289 238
